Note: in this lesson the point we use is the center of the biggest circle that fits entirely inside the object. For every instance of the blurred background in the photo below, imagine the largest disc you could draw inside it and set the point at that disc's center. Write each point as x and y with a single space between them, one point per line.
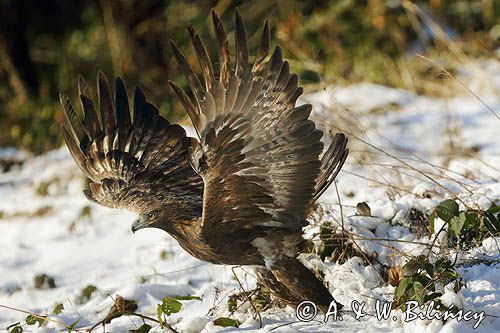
44 45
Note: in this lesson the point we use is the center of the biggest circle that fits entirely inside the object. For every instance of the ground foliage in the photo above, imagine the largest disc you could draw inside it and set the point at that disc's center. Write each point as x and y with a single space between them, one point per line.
44 45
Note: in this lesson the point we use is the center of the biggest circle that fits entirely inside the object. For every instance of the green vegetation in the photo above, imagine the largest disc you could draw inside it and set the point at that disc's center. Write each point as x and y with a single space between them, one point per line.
58 309
260 298
422 279
34 319
171 305
144 328
44 281
86 294
226 322
467 228
335 245
327 41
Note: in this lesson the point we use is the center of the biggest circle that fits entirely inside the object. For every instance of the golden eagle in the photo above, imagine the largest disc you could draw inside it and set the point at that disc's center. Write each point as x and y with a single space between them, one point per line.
240 194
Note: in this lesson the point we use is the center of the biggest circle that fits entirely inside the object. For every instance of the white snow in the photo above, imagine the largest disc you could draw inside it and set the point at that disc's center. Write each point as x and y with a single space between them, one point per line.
52 233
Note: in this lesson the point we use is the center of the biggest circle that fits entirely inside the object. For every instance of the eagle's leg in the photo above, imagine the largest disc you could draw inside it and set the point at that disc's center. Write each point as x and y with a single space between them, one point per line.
295 283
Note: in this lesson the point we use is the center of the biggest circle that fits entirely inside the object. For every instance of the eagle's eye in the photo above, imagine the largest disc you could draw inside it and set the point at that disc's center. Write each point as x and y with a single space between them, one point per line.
150 215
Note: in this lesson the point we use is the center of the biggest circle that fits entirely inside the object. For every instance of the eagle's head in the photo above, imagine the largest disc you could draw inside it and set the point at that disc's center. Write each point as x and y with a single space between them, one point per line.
150 219
168 217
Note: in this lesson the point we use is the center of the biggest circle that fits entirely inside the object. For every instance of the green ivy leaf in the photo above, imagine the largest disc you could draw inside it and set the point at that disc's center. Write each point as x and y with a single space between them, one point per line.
419 292
403 285
456 223
494 210
32 320
86 294
15 328
226 322
58 309
424 280
447 209
170 305
472 221
145 328
42 281
412 266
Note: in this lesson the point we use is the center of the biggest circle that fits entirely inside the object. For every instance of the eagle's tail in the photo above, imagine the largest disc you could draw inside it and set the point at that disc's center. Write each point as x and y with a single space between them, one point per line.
291 282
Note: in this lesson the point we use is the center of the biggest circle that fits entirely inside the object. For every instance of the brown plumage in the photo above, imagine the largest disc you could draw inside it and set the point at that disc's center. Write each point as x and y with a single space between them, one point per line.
241 193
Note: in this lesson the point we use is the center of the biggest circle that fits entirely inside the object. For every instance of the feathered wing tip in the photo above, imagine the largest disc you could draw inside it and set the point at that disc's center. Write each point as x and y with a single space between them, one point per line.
241 46
113 122
262 93
331 164
123 121
91 118
224 56
264 46
230 89
251 133
106 108
113 145
94 128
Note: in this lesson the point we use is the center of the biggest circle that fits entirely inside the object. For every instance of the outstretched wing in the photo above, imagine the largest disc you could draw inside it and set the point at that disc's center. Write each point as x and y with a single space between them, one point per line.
258 154
137 162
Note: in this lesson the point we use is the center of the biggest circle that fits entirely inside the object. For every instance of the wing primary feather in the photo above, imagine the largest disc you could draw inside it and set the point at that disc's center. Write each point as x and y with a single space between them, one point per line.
331 164
295 95
74 149
139 102
108 115
241 46
263 47
193 79
292 85
122 112
332 178
301 112
188 106
83 88
219 94
284 75
276 59
90 116
203 58
74 123
225 62
122 107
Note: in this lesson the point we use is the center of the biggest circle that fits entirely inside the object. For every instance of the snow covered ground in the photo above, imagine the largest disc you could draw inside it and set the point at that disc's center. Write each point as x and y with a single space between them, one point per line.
408 152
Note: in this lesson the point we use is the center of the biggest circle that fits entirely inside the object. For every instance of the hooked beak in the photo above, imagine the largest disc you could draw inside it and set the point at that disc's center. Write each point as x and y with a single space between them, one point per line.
140 223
